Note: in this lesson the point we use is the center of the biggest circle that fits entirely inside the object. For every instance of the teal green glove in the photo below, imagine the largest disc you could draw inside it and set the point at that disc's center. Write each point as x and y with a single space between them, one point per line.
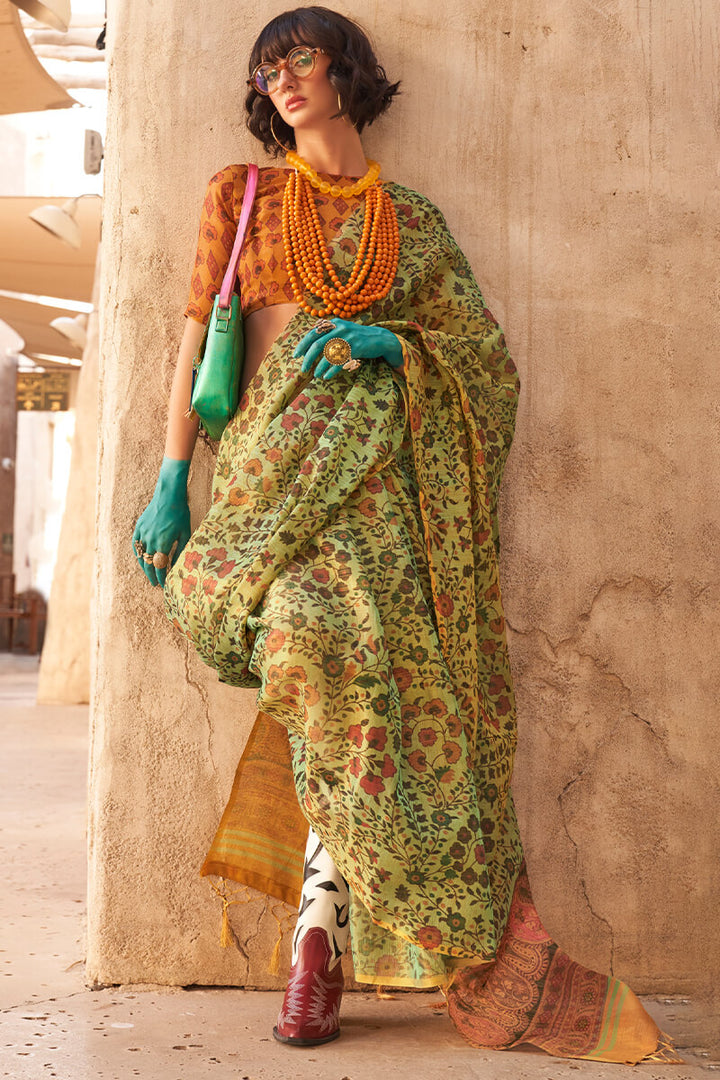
166 520
365 342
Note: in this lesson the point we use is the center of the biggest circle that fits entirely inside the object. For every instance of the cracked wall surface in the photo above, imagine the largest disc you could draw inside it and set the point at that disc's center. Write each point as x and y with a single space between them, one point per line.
577 158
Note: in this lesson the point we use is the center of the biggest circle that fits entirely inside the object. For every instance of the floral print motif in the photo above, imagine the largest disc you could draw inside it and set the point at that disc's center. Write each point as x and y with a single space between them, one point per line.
348 569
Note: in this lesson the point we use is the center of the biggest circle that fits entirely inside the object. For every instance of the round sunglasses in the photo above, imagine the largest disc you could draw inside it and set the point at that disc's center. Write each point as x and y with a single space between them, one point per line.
300 62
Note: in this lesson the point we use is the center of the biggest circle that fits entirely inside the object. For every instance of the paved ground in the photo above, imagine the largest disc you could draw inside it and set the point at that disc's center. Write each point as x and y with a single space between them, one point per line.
52 1026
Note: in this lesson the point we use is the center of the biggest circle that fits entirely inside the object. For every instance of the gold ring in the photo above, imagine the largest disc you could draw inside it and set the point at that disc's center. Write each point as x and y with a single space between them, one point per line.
160 560
351 365
324 326
139 548
148 558
338 351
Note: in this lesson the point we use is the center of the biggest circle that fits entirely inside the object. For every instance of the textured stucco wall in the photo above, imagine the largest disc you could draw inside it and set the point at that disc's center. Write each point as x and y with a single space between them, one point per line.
573 148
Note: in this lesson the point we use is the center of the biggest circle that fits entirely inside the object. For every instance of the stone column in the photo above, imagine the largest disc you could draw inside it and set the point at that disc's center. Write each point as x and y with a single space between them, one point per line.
65 661
573 151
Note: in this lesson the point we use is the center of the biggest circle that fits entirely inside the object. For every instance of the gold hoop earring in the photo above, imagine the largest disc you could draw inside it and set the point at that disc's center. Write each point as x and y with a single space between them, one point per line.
282 146
346 119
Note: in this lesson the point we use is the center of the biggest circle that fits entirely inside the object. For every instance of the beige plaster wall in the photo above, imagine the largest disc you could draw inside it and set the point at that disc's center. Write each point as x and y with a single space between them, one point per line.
573 148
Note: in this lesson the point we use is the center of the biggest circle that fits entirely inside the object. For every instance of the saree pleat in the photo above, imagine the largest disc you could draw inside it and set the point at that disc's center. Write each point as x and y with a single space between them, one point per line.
348 569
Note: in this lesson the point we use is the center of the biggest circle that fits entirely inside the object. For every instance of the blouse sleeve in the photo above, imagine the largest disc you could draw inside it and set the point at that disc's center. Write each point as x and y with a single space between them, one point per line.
218 227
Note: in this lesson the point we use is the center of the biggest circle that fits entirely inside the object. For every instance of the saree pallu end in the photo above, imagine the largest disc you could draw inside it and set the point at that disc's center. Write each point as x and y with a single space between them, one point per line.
261 838
534 993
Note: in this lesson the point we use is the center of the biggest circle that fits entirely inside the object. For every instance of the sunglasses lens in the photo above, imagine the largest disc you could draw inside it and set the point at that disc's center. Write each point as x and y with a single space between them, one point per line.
301 62
263 77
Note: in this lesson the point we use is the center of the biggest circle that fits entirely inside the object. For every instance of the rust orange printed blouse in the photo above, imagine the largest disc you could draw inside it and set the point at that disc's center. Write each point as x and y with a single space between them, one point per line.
262 272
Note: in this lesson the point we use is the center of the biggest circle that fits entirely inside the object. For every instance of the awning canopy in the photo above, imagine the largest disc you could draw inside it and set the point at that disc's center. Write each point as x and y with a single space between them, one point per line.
25 85
32 322
34 261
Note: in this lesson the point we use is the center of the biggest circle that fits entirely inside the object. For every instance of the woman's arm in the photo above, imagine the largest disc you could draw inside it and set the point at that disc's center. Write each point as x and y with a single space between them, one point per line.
165 524
181 432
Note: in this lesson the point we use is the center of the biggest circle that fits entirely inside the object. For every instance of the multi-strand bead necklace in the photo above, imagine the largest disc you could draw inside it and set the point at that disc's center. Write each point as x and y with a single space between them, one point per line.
308 260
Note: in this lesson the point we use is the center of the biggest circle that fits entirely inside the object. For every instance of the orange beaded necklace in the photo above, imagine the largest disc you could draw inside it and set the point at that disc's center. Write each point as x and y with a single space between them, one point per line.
306 252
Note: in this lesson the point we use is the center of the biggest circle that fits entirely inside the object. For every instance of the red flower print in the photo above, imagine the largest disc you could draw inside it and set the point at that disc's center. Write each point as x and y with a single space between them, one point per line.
373 785
273 454
321 575
496 685
427 736
189 584
454 725
406 736
388 766
377 737
410 712
429 937
275 640
488 647
218 553
497 625
417 761
493 593
444 604
237 497
291 420
209 585
367 508
436 708
355 766
355 734
415 419
192 559
403 678
253 466
225 568
503 705
452 752
374 484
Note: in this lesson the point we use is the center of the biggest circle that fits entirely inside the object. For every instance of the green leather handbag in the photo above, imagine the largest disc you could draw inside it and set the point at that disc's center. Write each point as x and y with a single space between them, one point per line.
217 366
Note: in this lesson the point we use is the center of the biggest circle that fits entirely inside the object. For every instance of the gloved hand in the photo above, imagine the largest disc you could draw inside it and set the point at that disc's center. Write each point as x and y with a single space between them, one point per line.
364 341
166 520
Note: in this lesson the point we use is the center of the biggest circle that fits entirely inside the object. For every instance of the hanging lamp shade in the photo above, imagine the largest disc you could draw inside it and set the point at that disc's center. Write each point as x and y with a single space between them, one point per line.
54 13
60 221
75 330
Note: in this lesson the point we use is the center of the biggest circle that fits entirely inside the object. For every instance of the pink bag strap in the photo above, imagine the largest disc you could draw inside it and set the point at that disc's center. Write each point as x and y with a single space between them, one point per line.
226 289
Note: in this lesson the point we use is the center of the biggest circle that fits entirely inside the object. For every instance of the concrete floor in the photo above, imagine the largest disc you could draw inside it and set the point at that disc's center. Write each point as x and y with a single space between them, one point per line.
53 1026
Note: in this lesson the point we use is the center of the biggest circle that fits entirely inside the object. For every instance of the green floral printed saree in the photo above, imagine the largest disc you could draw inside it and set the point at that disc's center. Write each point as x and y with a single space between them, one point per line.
348 569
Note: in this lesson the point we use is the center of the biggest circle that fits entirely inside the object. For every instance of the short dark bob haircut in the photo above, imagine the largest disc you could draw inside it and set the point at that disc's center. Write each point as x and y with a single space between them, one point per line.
364 89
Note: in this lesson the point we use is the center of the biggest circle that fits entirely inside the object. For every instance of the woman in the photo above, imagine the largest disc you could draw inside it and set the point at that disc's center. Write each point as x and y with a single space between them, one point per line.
348 569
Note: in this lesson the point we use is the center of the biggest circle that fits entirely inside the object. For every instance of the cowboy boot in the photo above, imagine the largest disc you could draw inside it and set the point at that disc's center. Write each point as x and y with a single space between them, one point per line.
311 1009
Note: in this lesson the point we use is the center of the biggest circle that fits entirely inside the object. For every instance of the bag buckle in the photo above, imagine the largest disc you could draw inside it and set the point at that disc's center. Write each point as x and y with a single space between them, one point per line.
222 319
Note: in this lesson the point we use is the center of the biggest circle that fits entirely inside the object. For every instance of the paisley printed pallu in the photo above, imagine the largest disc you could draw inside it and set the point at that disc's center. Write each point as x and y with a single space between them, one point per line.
348 569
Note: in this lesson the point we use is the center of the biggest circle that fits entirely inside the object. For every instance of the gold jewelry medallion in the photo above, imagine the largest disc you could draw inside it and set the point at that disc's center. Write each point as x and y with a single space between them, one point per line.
160 560
338 351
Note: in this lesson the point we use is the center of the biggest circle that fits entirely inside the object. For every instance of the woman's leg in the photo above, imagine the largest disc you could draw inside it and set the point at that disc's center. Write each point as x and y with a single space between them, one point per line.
325 901
311 1008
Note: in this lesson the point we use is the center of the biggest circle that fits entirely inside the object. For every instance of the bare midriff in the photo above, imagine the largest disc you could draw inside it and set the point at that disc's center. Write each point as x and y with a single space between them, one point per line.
262 327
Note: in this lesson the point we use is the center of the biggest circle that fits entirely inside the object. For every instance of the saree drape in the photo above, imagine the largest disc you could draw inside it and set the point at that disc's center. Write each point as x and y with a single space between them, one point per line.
348 569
